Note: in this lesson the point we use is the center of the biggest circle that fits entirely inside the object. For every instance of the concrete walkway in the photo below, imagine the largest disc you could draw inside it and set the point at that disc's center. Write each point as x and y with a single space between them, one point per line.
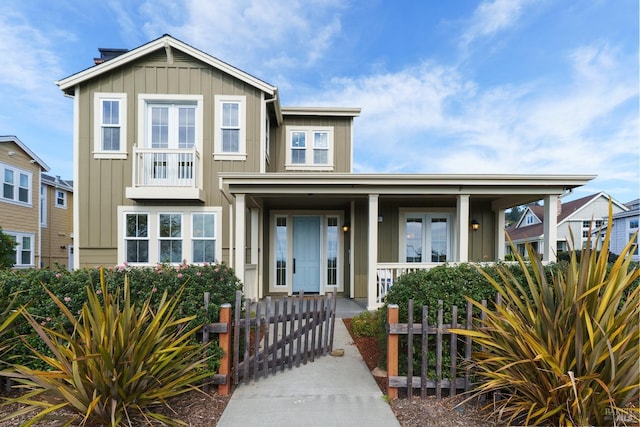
332 391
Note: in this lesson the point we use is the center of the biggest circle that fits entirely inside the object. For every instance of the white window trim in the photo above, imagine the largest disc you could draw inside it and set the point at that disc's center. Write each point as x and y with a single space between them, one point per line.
153 227
309 166
218 154
170 238
16 185
199 239
144 99
44 189
449 213
55 202
98 151
16 235
324 215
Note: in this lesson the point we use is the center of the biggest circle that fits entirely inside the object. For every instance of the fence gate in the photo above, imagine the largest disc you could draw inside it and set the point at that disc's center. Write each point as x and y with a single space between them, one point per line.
272 335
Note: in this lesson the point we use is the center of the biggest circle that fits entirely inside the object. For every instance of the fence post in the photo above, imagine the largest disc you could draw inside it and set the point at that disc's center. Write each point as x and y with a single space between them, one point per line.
225 344
392 351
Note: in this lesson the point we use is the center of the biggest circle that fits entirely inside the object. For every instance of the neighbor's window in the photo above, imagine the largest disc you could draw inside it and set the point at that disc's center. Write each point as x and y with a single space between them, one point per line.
43 205
309 148
170 238
24 254
61 199
16 184
230 127
137 237
203 237
110 125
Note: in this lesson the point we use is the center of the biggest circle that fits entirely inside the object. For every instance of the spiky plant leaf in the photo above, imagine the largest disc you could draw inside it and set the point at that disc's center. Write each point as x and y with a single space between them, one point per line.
119 360
564 352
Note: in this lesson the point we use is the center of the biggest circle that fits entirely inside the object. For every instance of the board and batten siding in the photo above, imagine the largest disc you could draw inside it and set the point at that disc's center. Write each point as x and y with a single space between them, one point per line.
341 141
103 181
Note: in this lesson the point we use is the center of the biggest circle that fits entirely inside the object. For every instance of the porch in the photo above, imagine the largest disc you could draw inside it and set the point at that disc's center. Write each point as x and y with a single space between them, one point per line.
394 223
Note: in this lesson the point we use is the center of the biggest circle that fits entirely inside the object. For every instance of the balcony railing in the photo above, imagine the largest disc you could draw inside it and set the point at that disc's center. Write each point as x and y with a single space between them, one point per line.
165 172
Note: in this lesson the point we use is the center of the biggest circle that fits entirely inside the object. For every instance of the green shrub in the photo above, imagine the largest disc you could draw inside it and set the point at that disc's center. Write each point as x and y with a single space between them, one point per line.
145 282
563 351
366 324
7 250
119 360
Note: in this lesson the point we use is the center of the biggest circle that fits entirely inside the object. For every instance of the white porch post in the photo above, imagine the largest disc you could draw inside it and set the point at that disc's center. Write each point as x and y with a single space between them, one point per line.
463 228
255 261
550 228
372 284
241 243
499 238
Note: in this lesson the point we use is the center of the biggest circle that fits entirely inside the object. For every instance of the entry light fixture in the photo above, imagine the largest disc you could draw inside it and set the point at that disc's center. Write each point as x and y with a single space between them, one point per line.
345 227
475 225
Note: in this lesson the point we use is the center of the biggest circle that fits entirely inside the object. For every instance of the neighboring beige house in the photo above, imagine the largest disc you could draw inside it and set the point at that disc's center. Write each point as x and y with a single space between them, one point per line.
575 218
20 172
56 222
181 157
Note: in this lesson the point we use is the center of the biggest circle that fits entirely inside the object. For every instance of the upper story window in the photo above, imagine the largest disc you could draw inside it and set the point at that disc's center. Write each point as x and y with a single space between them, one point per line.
170 121
309 148
110 127
61 199
16 185
230 127
633 224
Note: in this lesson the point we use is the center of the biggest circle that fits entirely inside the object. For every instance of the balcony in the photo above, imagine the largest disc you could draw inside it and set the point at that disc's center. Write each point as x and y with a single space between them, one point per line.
162 173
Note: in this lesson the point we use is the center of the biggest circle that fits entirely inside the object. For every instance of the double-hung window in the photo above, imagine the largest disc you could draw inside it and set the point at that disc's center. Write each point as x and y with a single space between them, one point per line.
203 237
137 237
61 199
427 237
151 235
110 130
309 148
23 251
16 185
230 127
170 237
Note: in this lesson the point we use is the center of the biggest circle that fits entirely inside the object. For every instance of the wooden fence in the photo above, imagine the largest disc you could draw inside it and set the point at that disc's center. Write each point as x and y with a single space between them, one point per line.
459 376
270 336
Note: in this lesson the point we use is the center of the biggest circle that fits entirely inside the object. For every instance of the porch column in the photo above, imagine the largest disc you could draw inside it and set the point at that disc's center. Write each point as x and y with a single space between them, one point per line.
463 228
499 238
241 242
254 261
550 228
372 283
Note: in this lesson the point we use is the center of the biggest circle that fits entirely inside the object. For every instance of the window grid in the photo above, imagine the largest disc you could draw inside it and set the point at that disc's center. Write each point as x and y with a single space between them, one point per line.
137 238
110 124
16 185
332 251
230 127
61 198
203 237
281 251
170 238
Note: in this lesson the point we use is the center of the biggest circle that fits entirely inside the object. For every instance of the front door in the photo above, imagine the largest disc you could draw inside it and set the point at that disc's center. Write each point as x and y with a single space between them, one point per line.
306 253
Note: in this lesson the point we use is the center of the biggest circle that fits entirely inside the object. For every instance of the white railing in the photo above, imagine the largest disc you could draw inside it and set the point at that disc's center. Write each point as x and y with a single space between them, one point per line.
387 274
166 167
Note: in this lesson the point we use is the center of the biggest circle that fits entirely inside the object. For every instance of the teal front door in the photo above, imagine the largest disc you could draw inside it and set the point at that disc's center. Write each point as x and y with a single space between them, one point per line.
306 254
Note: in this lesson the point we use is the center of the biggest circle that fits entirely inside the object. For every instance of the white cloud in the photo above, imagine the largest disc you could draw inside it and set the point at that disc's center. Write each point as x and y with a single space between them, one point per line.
491 17
260 35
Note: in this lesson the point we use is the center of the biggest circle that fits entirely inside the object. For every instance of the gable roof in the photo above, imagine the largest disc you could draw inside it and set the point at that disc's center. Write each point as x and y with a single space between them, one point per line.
167 42
568 209
57 182
15 140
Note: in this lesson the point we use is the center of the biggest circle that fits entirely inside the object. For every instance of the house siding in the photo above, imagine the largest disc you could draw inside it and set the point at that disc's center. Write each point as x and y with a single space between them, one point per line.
105 180
341 141
16 217
57 234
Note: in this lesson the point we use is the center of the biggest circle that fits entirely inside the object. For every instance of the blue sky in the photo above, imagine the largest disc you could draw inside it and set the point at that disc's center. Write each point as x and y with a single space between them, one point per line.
465 86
